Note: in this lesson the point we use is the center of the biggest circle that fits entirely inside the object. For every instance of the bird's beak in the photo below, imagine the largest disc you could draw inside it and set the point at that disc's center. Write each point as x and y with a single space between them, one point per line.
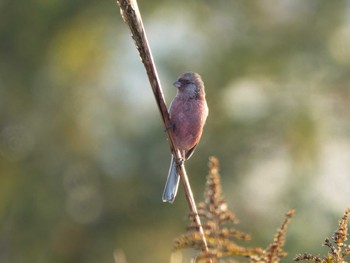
177 84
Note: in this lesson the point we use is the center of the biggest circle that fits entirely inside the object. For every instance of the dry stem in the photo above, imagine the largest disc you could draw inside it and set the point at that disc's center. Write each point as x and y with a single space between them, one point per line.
132 17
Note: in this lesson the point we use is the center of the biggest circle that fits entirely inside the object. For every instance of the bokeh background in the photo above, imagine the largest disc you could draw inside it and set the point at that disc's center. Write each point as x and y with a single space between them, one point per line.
83 154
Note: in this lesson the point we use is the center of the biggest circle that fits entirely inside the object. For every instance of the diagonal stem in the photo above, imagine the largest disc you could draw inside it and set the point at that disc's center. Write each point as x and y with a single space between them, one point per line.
132 17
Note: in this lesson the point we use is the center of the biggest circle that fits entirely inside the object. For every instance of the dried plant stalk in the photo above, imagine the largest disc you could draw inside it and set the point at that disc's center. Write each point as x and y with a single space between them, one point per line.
132 17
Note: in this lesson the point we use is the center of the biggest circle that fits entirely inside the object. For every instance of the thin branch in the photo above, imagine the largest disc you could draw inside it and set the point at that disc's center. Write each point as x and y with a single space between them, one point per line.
132 17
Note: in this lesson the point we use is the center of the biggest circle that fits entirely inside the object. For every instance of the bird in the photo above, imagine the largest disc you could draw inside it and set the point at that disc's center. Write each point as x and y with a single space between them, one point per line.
188 113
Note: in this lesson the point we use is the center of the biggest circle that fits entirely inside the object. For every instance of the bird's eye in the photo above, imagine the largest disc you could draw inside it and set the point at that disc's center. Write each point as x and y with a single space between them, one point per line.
185 81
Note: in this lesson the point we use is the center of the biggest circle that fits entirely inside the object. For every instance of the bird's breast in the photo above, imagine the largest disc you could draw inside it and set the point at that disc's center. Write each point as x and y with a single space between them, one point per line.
188 117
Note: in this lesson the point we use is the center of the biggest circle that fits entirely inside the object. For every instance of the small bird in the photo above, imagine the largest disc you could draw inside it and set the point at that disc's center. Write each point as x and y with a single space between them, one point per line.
188 113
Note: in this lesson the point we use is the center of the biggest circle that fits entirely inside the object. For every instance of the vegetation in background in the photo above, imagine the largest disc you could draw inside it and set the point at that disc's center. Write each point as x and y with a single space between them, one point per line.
337 246
217 220
83 157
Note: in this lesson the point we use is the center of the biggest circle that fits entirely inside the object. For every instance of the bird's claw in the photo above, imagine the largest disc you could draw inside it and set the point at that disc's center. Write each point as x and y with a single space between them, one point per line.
180 162
171 126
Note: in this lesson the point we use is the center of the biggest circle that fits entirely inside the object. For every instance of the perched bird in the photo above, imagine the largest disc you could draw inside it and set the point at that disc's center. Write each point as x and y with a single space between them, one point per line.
188 113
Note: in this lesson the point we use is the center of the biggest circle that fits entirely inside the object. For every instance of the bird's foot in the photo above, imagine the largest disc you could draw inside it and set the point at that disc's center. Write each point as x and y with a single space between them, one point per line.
179 162
171 126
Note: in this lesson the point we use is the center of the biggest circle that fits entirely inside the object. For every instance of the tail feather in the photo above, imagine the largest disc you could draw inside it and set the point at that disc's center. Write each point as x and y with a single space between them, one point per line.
172 183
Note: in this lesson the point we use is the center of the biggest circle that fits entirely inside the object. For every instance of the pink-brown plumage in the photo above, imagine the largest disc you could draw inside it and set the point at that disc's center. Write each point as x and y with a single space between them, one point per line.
188 113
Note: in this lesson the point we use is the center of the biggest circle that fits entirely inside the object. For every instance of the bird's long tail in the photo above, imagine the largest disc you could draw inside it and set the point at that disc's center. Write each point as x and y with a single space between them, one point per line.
172 183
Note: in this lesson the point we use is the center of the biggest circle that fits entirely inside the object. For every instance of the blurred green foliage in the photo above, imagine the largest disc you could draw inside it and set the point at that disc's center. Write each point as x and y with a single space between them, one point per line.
83 155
